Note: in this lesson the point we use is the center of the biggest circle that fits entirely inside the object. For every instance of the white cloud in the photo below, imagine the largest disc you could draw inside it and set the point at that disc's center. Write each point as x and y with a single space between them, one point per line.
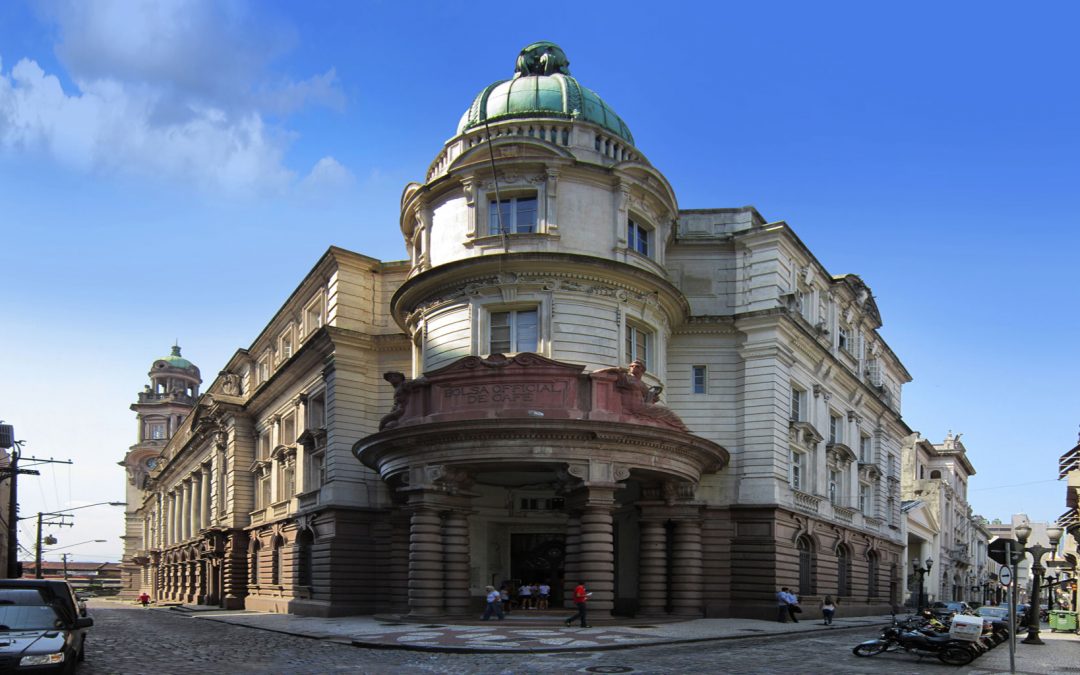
328 175
177 89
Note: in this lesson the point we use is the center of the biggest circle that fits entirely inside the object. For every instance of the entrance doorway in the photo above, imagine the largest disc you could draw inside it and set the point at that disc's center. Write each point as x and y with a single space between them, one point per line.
536 557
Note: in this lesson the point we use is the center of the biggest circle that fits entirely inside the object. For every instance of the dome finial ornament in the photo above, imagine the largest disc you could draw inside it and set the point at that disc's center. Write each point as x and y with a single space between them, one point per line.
542 58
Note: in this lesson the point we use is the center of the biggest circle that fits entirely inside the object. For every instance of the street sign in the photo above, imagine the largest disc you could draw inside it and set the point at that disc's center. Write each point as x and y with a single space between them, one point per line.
1005 576
996 550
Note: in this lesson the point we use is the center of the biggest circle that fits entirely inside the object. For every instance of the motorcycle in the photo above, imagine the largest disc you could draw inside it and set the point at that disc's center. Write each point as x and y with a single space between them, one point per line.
907 637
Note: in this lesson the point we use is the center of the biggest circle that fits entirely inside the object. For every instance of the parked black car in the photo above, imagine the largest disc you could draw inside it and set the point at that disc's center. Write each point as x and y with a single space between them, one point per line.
41 629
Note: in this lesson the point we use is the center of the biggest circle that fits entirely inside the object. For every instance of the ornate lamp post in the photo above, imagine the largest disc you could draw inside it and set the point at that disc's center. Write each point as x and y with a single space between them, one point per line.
1037 552
921 572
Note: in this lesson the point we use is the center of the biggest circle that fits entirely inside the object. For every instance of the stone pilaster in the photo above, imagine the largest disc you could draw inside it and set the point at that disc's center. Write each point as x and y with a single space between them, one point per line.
399 568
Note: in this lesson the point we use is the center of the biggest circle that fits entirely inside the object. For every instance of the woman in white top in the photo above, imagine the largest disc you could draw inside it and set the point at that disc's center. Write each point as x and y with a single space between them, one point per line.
494 604
525 596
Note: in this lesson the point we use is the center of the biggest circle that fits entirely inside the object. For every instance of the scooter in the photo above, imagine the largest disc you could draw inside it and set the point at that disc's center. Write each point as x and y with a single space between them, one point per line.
905 636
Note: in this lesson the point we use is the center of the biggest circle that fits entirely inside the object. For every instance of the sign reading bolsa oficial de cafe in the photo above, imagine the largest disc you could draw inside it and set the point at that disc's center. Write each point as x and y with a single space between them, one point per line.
538 393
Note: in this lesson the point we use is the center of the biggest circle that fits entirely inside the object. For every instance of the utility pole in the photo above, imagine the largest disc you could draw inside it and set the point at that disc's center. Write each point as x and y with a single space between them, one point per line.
37 550
65 555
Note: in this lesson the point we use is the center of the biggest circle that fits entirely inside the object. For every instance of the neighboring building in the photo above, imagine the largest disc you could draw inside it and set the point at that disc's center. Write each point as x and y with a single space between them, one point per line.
103 578
940 523
522 447
161 409
1069 470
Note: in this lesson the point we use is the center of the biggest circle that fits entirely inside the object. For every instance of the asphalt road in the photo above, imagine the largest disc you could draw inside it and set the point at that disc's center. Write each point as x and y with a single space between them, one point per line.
127 639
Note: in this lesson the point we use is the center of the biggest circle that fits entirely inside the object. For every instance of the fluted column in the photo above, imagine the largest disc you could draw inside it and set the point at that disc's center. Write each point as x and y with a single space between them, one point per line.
597 561
687 576
170 519
426 591
652 571
572 558
182 512
206 476
456 557
189 508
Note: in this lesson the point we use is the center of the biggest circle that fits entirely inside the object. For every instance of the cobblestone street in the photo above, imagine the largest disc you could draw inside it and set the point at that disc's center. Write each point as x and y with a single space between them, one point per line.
132 640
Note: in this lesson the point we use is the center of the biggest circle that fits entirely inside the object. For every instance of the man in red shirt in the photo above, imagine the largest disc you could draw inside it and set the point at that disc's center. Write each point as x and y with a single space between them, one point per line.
581 596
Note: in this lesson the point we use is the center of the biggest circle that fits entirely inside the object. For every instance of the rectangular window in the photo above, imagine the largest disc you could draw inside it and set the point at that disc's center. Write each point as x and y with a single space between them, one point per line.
798 397
264 445
286 482
638 345
699 379
316 412
638 238
157 431
515 331
316 470
285 348
798 470
864 498
264 369
843 340
313 316
865 449
288 429
262 495
836 429
518 215
834 486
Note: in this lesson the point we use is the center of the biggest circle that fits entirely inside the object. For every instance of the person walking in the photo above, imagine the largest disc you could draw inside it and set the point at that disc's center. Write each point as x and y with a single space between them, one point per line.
545 592
581 597
494 604
782 600
828 608
144 600
793 606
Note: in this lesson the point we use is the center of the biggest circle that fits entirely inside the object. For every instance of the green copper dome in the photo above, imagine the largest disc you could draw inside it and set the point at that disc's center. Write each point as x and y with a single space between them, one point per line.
542 87
175 360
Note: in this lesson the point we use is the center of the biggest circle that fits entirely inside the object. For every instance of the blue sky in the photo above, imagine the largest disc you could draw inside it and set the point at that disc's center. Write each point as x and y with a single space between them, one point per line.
171 170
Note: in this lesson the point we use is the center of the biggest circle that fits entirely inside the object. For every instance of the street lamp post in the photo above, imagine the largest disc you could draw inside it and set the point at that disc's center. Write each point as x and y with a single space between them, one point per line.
1037 552
921 572
40 521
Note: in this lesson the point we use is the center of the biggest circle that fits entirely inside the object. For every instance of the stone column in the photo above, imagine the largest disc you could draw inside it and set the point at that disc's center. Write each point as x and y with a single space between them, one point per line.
206 482
571 557
426 590
183 513
597 561
456 559
399 555
652 571
687 576
196 502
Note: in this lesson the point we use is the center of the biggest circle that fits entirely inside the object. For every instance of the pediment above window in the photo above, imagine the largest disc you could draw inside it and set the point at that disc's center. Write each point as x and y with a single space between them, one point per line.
869 471
840 453
805 434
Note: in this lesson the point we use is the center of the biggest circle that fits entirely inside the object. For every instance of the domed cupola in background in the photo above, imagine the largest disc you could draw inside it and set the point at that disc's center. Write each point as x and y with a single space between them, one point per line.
162 407
540 228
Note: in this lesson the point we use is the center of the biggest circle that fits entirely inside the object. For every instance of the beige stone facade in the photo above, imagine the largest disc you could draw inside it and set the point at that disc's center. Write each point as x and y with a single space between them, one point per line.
760 448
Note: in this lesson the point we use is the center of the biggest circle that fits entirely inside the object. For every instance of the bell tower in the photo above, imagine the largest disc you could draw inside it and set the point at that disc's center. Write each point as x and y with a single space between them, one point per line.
161 408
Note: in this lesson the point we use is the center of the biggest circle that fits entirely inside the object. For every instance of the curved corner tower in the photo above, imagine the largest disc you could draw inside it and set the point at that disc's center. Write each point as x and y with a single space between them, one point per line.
537 274
162 406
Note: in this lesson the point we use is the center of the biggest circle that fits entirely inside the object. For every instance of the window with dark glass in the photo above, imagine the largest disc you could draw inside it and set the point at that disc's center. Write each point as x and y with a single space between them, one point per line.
518 215
699 379
514 331
638 345
638 238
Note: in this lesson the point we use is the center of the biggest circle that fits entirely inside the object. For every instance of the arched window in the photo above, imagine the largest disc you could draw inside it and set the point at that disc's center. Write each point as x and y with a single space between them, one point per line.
843 571
256 549
305 543
275 560
806 565
872 574
935 474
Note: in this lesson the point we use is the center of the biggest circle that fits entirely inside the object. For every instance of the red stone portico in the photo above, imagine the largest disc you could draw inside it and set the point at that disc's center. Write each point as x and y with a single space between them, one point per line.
465 428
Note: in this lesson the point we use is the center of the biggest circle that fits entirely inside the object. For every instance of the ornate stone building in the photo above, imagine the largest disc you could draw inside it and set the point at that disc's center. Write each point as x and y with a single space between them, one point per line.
685 409
941 525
